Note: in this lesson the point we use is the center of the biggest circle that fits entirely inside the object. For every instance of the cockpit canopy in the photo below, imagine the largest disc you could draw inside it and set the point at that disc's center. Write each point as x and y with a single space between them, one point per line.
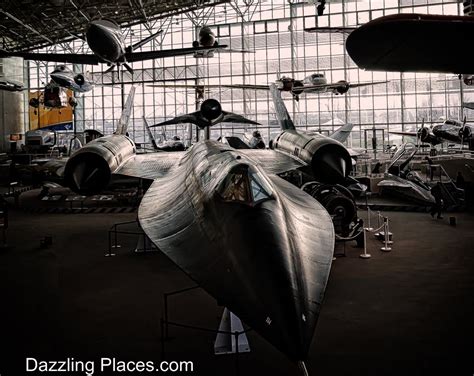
246 185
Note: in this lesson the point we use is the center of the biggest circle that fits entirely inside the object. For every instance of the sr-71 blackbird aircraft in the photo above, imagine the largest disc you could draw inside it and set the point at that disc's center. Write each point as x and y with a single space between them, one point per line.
106 41
450 130
258 244
314 83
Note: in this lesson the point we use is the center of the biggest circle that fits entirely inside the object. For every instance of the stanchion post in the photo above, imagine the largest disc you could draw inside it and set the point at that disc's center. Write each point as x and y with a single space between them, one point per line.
109 252
115 246
386 247
369 227
365 255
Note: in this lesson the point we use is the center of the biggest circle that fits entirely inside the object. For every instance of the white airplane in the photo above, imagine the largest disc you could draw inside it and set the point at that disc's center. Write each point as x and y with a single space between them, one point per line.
107 43
314 83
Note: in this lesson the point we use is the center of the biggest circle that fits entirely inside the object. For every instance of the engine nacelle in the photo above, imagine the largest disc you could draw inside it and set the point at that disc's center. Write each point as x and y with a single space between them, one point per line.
340 204
297 88
329 160
79 79
89 169
465 133
342 87
211 109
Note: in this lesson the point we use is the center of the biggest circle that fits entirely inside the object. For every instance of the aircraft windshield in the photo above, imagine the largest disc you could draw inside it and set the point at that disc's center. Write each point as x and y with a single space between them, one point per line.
243 184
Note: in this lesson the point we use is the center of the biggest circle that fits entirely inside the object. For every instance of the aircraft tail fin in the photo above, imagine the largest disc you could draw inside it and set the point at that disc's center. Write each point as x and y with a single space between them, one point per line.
150 135
280 109
342 133
126 113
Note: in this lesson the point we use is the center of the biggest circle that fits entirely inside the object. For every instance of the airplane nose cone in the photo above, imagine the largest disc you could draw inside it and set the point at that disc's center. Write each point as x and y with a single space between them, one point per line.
284 255
211 109
104 42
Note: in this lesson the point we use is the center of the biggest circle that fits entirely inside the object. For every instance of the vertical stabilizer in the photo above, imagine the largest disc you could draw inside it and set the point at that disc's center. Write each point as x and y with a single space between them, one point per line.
342 133
150 134
126 113
280 109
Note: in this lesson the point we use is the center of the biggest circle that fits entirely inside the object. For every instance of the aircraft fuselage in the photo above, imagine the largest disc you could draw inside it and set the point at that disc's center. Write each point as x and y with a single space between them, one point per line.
256 243
66 78
106 40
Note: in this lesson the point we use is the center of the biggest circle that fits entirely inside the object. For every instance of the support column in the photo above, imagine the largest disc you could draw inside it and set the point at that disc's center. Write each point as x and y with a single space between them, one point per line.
12 104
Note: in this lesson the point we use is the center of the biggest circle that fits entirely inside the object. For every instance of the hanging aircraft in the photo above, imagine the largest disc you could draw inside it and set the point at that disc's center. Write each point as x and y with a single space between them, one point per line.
314 83
410 43
450 130
66 78
107 43
11 85
209 114
207 39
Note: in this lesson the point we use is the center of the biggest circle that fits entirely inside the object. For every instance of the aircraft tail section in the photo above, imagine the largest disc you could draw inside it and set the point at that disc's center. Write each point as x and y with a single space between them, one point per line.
280 109
342 133
126 113
150 135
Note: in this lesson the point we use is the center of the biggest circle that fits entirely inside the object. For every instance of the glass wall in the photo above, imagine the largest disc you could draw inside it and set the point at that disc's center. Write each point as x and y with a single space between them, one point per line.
274 33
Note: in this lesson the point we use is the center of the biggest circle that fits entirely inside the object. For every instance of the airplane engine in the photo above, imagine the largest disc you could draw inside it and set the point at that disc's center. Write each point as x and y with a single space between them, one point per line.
211 109
89 169
342 88
465 133
338 201
297 88
427 136
79 79
329 160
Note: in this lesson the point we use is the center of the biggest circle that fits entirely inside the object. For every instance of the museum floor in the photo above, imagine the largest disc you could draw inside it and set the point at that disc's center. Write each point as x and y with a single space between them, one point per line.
410 311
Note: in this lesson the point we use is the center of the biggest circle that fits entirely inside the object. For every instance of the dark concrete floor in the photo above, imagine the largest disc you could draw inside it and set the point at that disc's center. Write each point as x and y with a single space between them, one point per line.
409 311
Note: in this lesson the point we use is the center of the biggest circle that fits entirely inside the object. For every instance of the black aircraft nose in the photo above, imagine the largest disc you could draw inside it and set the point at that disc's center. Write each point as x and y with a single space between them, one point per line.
211 109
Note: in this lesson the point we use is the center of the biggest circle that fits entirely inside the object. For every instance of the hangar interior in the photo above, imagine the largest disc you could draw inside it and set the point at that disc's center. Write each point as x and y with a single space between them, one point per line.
133 211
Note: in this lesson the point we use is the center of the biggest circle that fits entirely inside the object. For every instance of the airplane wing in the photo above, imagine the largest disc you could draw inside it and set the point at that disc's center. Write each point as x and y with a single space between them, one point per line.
272 161
150 165
59 58
327 29
414 134
229 86
230 117
182 119
147 55
337 85
362 84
